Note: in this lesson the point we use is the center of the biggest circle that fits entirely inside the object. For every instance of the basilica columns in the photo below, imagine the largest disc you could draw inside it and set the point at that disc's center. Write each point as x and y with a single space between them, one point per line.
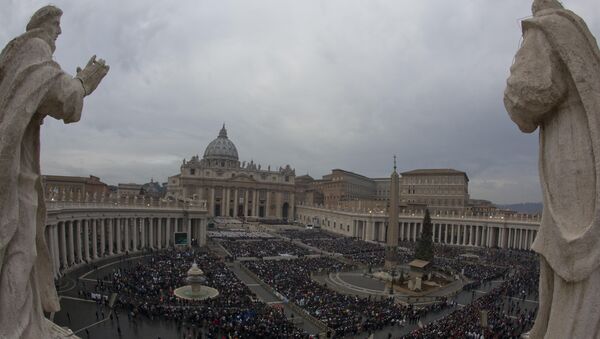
255 204
189 232
236 203
168 232
211 202
159 222
119 230
246 196
268 206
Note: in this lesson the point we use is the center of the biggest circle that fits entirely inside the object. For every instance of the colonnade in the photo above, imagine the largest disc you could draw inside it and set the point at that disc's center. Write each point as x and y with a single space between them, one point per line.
479 232
78 240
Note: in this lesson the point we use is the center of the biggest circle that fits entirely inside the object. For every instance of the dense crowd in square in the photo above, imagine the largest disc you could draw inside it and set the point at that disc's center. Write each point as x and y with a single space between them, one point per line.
345 314
507 318
304 234
263 248
238 234
146 289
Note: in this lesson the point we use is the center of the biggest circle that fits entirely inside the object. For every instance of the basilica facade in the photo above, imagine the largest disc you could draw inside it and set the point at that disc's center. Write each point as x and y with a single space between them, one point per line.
233 188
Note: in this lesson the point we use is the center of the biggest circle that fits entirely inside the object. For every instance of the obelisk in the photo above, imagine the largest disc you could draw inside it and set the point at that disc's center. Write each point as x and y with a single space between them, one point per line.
391 248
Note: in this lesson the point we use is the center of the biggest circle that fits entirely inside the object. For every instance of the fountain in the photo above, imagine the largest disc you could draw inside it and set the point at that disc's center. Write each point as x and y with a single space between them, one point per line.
195 290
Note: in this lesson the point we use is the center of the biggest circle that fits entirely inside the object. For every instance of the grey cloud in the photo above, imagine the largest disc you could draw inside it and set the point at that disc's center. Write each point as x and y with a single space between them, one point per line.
316 84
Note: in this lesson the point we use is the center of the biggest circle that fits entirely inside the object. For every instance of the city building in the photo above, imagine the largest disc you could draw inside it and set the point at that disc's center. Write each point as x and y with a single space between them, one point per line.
441 190
233 188
71 188
341 186
128 190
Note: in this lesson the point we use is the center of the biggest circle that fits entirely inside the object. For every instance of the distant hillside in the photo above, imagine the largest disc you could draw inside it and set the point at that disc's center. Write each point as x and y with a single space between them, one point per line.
526 207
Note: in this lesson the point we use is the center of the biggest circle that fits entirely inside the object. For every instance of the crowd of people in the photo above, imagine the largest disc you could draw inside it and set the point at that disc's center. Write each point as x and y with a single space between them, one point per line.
238 234
146 289
507 315
263 248
344 246
305 234
344 314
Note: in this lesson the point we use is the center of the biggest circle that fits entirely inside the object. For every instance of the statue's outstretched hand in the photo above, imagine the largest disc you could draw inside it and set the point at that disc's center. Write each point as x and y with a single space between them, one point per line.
92 74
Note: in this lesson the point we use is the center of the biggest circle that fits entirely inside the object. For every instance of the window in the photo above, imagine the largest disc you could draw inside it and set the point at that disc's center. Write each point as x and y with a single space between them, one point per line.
192 171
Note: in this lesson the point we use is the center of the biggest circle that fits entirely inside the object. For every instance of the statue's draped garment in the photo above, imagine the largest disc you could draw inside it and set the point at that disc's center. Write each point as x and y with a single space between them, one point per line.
555 83
32 86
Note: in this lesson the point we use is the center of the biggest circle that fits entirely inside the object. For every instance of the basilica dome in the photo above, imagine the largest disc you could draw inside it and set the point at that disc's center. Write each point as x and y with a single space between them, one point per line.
221 148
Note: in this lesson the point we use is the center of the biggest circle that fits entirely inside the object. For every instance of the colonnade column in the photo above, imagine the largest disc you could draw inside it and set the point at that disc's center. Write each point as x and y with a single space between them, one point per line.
94 239
168 232
119 229
135 234
159 235
102 237
62 237
369 231
521 238
127 230
513 237
86 239
255 204
151 232
414 227
71 247
268 207
78 243
109 224
189 232
477 236
401 232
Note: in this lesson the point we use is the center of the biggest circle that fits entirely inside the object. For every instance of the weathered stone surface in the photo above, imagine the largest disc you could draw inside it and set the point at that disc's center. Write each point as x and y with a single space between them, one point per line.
32 86
57 332
555 85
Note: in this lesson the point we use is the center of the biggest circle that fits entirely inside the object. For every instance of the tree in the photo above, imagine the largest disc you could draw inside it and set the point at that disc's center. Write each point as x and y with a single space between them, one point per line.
424 249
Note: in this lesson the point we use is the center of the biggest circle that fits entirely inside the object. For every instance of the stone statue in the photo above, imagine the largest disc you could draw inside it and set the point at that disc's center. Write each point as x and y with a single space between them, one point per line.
555 85
32 86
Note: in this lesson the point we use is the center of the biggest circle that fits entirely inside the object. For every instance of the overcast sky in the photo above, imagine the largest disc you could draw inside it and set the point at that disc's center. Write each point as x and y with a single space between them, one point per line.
314 84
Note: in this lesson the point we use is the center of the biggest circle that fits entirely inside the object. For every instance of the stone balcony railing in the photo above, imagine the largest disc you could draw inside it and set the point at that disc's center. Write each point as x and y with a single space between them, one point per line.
150 204
374 212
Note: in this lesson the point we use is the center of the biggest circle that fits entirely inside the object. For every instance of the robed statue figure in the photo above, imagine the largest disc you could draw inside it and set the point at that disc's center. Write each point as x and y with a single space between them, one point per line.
32 86
555 86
